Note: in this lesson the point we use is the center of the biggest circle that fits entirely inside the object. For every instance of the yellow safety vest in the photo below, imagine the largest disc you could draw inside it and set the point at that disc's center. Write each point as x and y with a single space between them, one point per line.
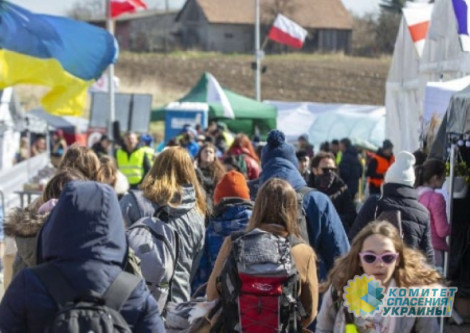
150 154
132 166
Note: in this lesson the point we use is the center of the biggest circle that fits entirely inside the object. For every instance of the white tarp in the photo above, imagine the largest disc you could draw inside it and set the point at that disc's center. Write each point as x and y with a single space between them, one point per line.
364 124
405 89
437 97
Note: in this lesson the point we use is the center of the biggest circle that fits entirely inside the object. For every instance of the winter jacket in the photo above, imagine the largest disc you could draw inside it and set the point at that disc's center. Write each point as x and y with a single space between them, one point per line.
440 227
208 183
341 198
331 319
84 238
376 170
305 263
253 167
350 170
188 223
414 216
24 226
230 215
325 230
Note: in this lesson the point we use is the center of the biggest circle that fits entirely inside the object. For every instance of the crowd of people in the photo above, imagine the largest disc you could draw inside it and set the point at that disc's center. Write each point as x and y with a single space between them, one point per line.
218 212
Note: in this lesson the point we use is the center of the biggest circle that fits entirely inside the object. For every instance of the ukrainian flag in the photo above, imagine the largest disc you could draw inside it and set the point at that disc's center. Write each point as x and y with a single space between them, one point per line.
60 53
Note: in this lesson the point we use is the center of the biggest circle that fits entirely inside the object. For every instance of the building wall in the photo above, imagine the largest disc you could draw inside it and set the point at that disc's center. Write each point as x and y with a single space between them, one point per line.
333 40
230 38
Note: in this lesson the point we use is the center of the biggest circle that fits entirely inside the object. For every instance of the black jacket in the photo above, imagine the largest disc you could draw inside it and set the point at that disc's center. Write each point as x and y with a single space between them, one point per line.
341 198
350 169
414 216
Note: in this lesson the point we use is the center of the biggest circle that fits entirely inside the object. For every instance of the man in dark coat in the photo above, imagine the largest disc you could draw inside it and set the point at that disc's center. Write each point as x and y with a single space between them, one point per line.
350 169
399 195
84 238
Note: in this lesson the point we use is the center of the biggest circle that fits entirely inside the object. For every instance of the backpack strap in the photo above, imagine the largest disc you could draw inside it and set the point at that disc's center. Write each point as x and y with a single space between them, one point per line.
56 284
294 240
120 290
337 303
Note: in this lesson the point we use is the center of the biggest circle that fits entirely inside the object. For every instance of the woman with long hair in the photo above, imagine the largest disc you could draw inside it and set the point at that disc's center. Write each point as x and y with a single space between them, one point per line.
378 251
431 178
242 147
209 170
172 183
81 159
275 211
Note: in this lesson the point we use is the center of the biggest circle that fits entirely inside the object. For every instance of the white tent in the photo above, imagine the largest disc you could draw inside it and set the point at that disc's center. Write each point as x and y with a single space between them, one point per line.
405 89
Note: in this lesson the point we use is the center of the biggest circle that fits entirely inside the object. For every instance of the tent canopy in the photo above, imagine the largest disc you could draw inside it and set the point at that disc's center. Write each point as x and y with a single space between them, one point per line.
249 114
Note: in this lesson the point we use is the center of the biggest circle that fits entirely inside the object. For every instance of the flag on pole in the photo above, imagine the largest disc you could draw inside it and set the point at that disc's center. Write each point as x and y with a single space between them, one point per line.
286 31
461 10
418 17
119 7
60 53
215 94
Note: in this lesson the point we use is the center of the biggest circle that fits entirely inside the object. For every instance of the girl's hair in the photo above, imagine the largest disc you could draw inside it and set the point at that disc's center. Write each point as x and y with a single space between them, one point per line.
171 170
243 141
82 159
216 168
107 173
276 203
57 183
411 270
430 168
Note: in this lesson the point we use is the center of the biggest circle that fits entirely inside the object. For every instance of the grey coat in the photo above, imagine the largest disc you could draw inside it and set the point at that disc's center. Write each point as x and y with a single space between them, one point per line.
189 225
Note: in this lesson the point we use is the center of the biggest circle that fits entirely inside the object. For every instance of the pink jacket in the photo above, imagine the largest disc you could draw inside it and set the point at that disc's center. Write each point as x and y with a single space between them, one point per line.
440 227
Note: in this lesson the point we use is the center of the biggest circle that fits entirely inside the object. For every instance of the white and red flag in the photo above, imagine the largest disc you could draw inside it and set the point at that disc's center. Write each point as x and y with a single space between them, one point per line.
286 31
119 7
417 18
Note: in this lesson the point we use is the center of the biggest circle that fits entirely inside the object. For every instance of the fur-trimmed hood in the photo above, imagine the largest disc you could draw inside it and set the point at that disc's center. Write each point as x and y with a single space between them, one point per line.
23 223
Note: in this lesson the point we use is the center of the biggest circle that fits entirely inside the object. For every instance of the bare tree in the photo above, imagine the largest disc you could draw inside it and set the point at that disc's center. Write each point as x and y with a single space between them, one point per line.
89 9
270 9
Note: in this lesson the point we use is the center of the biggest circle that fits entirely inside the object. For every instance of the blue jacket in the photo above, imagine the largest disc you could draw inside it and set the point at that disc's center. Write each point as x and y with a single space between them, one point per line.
84 238
230 215
325 230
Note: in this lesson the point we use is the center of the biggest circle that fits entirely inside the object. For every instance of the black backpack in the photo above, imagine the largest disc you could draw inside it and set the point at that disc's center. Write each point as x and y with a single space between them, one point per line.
86 311
301 213
259 285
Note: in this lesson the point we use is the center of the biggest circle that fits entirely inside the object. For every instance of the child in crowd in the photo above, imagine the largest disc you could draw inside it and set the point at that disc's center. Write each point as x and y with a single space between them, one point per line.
377 251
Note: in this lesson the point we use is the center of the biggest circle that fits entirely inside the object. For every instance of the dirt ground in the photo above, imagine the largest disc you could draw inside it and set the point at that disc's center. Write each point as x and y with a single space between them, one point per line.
293 77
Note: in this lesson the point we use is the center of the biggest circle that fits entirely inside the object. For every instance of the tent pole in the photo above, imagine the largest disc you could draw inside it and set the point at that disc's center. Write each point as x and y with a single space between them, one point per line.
257 53
110 28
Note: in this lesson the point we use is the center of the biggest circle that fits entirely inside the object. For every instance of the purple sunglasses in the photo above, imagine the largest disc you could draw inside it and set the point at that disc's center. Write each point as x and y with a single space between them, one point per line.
386 258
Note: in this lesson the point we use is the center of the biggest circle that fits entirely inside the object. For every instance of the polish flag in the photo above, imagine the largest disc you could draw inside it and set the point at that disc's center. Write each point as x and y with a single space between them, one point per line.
119 7
286 31
418 17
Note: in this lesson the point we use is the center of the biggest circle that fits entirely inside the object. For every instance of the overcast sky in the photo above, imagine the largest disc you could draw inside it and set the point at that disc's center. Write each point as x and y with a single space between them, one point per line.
59 7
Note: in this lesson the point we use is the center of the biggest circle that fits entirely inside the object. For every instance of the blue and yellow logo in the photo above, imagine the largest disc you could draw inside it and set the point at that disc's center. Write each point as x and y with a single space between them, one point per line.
363 296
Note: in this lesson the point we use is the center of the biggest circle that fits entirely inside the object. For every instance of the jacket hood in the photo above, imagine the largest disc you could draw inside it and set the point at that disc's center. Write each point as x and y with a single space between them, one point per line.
399 190
282 168
86 224
230 203
188 201
23 223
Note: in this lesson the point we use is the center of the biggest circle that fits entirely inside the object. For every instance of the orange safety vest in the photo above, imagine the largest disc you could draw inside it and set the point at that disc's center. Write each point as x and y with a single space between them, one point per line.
382 166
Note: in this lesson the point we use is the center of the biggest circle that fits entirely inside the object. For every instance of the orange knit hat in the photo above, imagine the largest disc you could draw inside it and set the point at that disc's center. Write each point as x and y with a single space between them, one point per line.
233 184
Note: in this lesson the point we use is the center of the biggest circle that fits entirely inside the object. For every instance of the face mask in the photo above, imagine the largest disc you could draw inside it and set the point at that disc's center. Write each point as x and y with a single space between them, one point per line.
324 180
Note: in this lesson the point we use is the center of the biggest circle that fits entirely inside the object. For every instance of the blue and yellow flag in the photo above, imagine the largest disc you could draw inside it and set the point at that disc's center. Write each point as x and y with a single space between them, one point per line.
57 52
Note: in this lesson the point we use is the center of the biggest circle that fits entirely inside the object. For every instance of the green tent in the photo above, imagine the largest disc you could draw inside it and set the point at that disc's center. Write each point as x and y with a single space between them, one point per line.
249 113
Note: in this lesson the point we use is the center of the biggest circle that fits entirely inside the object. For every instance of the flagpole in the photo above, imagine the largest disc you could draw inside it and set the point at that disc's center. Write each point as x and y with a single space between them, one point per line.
257 53
110 28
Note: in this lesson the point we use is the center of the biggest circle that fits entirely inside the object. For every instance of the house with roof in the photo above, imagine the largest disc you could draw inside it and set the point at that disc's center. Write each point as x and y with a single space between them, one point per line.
228 26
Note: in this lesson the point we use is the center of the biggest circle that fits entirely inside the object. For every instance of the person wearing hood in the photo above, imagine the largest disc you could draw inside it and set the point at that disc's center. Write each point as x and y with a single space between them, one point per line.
350 168
232 213
378 166
132 160
400 195
325 230
172 182
327 181
84 239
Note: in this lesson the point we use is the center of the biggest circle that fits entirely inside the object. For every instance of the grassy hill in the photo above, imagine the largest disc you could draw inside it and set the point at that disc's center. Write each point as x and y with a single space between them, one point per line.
291 77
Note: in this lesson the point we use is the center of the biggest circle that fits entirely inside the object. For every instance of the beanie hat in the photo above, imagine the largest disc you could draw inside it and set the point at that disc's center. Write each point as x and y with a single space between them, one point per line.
387 144
276 146
402 171
233 184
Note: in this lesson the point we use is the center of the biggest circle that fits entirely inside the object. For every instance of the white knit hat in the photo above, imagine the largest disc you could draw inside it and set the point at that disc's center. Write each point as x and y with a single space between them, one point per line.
402 171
